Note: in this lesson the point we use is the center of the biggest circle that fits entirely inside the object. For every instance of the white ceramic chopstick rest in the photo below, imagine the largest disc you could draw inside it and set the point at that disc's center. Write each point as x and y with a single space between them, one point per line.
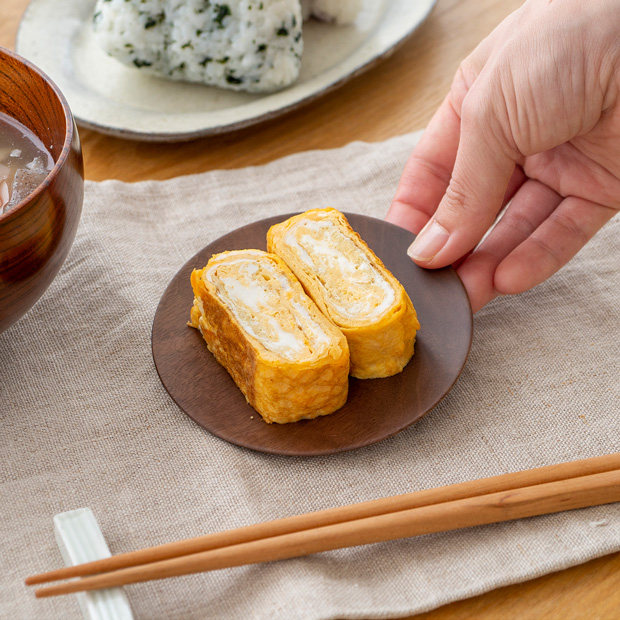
80 540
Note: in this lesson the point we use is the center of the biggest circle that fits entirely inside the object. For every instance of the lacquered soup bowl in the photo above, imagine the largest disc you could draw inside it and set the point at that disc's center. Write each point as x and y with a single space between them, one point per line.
37 233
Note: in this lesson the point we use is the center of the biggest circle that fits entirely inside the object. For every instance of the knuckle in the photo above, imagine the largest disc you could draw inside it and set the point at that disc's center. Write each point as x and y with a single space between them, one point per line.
570 227
550 251
474 109
519 223
459 201
434 170
463 80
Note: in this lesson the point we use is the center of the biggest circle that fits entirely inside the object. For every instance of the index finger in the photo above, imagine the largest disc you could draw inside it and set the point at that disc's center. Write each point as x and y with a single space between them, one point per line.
427 173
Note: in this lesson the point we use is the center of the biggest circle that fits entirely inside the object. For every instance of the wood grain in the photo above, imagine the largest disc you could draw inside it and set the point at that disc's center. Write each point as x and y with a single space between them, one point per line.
397 97
518 503
417 499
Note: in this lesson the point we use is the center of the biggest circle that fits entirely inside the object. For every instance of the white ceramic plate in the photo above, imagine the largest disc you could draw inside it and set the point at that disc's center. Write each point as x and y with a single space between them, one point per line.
107 96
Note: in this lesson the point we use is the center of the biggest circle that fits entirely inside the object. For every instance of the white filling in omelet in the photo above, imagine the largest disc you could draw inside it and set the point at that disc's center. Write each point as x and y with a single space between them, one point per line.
260 298
362 291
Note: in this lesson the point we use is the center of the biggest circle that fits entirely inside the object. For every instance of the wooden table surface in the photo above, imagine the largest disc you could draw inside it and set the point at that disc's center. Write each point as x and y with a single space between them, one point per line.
398 96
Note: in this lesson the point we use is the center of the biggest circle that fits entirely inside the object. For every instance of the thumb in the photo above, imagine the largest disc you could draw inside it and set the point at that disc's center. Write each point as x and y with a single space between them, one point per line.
481 174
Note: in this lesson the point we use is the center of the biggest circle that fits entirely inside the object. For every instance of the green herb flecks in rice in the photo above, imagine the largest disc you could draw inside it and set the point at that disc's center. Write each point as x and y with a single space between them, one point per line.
238 44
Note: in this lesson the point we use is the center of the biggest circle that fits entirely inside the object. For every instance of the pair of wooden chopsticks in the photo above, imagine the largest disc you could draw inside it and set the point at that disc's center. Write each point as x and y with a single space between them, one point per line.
546 490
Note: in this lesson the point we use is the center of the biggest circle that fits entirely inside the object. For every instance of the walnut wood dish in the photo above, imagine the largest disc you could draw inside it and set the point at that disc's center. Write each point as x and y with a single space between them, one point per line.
376 408
36 234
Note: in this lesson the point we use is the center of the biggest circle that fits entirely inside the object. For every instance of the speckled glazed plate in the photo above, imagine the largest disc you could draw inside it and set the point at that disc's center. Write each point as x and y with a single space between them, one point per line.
107 96
376 408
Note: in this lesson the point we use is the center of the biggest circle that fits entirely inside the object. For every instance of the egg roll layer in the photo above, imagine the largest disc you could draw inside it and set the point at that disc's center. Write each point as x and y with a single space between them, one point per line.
352 287
288 359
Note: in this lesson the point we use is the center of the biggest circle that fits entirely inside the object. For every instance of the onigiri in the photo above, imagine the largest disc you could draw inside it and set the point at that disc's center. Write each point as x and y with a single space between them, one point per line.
250 45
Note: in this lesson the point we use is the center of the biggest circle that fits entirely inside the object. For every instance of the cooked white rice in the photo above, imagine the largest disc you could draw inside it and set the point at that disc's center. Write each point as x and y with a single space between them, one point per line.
251 45
338 11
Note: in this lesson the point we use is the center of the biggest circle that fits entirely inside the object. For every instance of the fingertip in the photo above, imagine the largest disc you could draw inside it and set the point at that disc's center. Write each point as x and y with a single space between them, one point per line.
516 275
429 242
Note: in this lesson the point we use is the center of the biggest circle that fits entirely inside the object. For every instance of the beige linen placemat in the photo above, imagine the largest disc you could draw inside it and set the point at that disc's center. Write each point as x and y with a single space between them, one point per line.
86 422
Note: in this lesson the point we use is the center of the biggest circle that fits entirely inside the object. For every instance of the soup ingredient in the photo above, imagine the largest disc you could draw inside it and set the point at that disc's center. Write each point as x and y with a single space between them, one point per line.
24 162
250 45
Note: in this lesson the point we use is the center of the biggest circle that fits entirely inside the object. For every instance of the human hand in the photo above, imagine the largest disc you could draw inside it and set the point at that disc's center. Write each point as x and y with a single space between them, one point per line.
532 117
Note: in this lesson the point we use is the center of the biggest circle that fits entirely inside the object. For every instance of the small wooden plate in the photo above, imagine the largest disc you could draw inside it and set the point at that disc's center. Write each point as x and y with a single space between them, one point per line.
376 408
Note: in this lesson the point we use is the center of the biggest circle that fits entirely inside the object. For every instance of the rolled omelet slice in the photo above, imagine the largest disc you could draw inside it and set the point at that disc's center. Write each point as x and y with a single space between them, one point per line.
288 359
352 287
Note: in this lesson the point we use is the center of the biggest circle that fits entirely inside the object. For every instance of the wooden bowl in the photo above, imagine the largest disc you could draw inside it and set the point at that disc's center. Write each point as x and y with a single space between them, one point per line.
36 234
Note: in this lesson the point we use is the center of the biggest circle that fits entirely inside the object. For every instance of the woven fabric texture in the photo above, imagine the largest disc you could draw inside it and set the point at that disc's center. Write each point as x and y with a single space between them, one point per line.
86 421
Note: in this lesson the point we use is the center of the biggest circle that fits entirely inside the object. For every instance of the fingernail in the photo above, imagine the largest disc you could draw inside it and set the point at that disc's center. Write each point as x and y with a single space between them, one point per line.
428 243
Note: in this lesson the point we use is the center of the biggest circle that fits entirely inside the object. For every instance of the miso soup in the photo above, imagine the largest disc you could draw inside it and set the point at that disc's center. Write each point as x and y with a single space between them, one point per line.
24 162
